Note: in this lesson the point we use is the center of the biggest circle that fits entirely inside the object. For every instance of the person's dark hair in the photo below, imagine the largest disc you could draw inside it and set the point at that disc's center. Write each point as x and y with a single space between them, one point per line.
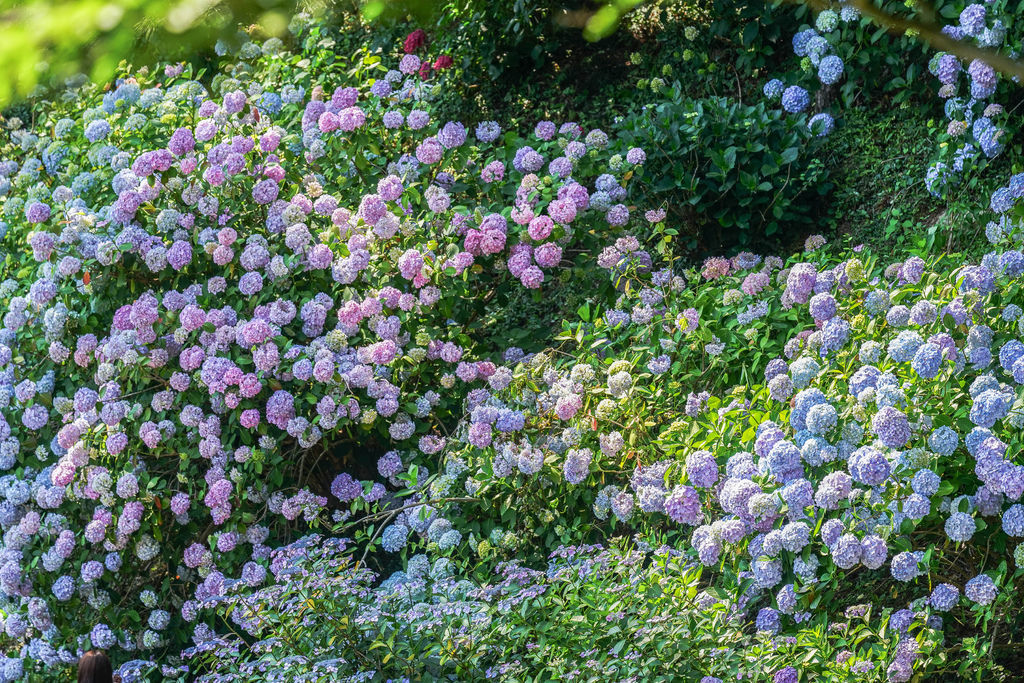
94 667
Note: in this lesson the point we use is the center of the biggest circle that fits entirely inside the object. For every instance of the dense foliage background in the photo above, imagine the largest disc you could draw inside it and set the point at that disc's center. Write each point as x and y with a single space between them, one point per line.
442 341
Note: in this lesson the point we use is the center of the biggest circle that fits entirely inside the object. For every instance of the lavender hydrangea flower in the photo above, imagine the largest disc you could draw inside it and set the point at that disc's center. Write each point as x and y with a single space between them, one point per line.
787 674
869 466
683 506
981 589
892 427
944 597
905 566
702 469
768 620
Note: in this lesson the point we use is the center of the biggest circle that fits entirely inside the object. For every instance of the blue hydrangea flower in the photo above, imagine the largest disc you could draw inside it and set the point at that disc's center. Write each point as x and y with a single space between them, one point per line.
803 370
768 620
981 589
1002 200
821 418
817 47
1013 521
1011 263
830 69
394 537
960 526
904 346
989 407
876 303
927 360
925 482
97 130
993 36
795 99
846 552
869 466
989 137
937 179
964 154
906 566
916 506
270 103
800 41
1010 353
898 316
773 89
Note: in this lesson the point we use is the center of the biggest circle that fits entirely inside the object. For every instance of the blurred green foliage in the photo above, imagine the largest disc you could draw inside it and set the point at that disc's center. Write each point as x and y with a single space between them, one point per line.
44 41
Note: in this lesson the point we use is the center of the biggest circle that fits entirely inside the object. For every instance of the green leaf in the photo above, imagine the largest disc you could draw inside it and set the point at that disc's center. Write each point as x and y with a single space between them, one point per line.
584 312
749 33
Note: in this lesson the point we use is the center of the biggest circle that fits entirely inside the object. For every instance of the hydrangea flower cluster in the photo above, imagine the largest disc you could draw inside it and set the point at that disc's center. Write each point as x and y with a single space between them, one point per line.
816 48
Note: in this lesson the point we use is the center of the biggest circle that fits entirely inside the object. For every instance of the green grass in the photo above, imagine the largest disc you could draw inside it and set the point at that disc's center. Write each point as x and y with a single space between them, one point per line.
879 159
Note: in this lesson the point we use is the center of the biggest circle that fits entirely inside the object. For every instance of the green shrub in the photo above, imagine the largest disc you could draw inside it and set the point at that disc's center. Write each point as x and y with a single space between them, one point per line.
734 174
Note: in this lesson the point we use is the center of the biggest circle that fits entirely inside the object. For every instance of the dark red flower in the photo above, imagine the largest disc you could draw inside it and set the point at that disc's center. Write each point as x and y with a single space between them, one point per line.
425 70
414 41
443 62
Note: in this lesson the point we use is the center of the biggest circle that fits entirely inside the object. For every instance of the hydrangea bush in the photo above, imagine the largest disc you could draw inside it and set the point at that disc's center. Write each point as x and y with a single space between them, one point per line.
853 506
893 410
205 290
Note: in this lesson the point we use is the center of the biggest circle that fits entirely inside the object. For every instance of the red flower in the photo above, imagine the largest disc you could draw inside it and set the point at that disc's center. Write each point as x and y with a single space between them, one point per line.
425 70
443 62
414 41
